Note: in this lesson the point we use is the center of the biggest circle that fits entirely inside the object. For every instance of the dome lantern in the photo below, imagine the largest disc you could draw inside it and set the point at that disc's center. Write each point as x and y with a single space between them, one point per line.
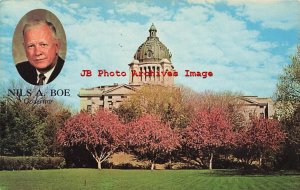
152 31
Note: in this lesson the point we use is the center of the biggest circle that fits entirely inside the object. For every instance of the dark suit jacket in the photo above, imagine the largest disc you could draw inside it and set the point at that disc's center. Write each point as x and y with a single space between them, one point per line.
28 72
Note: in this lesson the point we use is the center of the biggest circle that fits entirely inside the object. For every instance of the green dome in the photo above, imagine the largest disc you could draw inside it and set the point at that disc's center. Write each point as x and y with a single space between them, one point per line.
152 49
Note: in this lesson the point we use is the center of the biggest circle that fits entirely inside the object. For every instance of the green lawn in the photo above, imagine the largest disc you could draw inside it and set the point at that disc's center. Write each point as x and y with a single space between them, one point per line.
143 179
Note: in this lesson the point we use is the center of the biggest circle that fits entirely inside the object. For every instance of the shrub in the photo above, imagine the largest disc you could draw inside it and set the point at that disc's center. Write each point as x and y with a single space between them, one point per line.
27 163
126 166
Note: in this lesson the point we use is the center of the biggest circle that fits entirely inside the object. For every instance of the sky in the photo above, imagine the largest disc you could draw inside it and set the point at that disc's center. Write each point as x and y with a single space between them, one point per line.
245 44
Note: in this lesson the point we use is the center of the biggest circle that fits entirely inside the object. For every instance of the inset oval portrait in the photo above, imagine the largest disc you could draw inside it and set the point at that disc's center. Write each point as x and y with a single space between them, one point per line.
39 47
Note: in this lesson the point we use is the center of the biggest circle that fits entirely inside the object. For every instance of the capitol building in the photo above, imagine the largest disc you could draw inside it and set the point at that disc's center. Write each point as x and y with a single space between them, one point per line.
153 56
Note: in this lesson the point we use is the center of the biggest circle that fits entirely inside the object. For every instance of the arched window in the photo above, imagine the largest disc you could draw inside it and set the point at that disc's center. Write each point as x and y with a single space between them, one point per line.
149 54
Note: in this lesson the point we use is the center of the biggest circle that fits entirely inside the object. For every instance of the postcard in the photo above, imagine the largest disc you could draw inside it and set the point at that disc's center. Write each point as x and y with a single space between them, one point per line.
90 84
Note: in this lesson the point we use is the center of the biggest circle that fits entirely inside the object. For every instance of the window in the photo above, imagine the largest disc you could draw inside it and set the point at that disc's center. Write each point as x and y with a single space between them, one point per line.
89 108
262 115
123 96
109 97
110 104
250 115
149 54
101 98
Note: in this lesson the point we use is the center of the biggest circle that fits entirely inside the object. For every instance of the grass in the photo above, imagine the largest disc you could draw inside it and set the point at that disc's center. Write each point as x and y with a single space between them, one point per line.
144 179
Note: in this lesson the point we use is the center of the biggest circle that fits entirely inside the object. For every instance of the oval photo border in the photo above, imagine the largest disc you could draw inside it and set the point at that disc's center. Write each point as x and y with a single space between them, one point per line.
18 51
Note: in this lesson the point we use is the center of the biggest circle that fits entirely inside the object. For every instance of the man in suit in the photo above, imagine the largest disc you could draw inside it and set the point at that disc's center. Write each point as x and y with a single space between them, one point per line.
41 47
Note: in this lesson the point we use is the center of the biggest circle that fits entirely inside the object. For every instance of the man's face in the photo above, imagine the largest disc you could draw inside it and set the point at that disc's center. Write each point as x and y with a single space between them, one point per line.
41 47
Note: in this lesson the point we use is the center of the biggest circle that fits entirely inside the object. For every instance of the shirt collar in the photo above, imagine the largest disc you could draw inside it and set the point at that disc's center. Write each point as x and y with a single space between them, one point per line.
47 75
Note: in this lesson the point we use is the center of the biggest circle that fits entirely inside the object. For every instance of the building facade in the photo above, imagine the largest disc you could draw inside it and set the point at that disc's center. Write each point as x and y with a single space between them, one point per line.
150 64
259 107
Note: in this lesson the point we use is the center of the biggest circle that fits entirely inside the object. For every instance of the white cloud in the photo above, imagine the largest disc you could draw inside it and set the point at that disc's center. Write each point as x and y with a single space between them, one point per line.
199 37
203 1
9 16
141 8
111 11
292 50
197 14
5 46
224 45
282 15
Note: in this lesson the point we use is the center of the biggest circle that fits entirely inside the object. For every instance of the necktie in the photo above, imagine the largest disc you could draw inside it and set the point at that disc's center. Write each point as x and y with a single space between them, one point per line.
42 77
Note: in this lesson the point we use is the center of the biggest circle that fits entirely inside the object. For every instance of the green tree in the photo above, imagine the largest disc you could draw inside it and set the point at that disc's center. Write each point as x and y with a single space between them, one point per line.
288 89
29 129
288 110
18 129
166 102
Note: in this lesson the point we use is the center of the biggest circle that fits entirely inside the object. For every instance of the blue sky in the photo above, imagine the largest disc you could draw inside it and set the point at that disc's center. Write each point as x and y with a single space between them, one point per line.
245 43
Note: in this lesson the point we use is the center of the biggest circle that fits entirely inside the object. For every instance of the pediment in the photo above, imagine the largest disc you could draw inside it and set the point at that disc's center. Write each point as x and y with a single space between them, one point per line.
246 100
123 89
